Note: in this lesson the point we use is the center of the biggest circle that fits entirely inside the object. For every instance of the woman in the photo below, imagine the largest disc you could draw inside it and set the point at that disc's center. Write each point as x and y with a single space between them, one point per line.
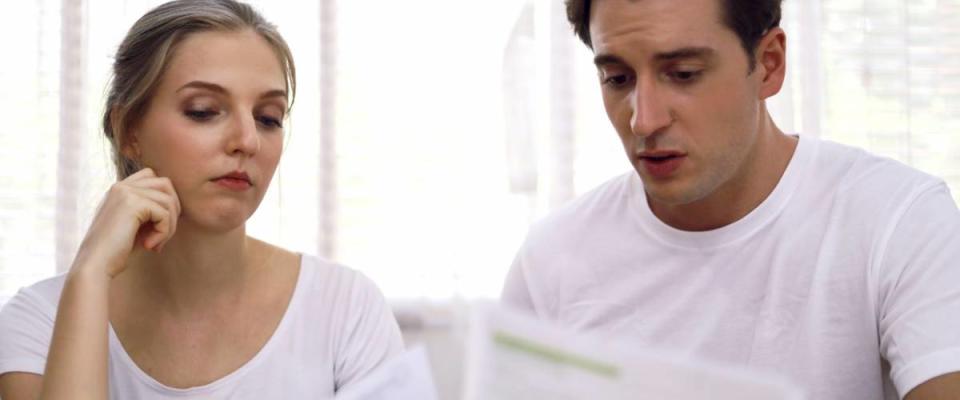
167 296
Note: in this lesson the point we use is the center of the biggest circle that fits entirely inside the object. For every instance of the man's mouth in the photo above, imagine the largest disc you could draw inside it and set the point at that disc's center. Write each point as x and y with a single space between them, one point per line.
657 159
660 156
661 164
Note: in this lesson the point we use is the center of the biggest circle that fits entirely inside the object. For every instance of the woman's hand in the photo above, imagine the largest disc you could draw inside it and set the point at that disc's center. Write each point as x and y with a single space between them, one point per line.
141 210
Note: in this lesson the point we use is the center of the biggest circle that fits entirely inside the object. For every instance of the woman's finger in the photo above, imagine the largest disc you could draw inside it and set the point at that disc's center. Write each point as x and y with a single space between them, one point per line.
166 201
142 173
162 184
156 218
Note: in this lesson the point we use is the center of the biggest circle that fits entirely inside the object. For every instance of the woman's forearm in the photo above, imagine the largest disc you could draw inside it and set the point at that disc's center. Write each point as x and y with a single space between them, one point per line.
143 203
77 362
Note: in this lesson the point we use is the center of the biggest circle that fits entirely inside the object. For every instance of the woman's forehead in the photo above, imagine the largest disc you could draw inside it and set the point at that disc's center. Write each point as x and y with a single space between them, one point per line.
239 61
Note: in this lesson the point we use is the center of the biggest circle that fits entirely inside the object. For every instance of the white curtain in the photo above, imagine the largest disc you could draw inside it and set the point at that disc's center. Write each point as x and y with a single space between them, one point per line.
428 134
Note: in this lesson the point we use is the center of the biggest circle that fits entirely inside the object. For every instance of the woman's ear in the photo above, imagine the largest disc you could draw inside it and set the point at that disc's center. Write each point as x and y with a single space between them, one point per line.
124 136
772 62
130 149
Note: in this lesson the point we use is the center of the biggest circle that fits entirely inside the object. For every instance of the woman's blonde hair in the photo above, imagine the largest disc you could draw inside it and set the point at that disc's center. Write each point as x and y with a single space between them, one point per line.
146 51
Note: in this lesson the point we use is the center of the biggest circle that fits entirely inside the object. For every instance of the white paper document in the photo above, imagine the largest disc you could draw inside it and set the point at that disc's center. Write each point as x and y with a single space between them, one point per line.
406 377
514 357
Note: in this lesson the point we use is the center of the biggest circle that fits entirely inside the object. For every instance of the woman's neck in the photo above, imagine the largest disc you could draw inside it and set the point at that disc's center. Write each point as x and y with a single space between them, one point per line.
197 271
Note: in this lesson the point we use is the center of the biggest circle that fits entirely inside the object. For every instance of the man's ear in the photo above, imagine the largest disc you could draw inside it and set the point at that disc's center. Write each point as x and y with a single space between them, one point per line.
771 56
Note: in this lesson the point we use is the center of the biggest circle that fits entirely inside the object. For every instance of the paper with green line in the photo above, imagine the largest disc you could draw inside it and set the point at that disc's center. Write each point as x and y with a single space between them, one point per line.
511 356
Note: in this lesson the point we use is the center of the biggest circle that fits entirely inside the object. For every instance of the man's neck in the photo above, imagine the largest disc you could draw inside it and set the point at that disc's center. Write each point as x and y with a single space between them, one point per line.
759 175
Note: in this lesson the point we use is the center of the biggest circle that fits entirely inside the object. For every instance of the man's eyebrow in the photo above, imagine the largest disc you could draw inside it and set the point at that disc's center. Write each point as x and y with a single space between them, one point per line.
685 52
678 54
607 59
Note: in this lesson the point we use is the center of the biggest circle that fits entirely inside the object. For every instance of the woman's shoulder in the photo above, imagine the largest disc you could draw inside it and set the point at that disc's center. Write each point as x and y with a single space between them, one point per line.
343 303
26 326
327 286
331 279
41 297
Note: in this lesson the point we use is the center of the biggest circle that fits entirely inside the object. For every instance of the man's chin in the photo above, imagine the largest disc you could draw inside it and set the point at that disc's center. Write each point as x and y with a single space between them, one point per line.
672 192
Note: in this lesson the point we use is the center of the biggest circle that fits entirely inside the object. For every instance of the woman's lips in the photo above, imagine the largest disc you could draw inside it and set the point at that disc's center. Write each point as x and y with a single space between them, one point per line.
236 180
233 183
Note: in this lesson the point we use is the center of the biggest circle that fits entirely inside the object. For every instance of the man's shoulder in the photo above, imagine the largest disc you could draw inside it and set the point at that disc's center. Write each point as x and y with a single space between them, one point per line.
858 174
591 208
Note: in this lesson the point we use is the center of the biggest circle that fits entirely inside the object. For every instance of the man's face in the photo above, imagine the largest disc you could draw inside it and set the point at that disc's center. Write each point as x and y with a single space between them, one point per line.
677 88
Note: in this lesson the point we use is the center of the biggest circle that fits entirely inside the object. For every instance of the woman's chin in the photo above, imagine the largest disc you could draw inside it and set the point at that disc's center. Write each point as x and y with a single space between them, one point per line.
215 221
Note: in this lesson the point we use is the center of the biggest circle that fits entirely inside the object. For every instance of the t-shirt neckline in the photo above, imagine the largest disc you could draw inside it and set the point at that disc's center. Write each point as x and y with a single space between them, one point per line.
117 349
741 229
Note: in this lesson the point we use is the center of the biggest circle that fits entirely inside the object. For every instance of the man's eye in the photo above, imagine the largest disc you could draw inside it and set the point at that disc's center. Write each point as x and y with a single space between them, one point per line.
616 80
200 115
684 76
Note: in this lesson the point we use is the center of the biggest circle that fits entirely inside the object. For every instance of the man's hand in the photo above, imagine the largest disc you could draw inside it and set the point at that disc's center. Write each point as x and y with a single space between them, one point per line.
944 387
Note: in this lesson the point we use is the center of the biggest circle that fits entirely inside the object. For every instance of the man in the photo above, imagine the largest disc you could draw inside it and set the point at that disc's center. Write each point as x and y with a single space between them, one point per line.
735 242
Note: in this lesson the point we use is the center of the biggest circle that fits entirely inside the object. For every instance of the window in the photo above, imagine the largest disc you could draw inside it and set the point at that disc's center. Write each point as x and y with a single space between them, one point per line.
428 134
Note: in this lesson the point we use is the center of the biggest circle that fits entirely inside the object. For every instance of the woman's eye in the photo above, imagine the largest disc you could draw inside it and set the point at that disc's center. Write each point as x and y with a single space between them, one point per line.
200 115
270 122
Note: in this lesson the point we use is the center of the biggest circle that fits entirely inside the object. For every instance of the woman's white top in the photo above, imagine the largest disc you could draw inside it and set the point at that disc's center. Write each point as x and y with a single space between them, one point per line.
337 328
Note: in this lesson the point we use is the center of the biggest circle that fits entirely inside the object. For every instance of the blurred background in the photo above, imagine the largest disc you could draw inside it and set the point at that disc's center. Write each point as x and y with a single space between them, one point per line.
427 135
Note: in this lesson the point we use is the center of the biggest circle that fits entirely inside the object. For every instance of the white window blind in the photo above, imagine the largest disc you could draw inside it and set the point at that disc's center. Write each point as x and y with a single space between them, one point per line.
892 79
28 141
428 134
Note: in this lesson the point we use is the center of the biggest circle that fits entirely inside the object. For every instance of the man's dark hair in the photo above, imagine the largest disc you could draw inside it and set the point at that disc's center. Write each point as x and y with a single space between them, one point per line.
749 19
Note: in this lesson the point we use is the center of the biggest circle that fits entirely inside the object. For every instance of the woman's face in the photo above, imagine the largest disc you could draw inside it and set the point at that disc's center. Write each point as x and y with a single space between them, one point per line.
214 126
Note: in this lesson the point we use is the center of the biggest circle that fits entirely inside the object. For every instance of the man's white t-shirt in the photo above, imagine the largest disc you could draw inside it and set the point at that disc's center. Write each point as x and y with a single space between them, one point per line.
337 328
846 279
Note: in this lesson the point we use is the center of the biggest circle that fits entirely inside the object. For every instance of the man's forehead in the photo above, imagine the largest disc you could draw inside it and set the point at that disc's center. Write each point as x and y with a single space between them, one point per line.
654 5
613 17
662 29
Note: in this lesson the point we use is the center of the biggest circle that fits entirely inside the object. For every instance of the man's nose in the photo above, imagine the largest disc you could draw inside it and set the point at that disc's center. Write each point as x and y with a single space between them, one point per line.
650 111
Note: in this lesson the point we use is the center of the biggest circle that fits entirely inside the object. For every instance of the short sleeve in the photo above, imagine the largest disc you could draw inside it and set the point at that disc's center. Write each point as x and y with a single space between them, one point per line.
516 292
26 326
919 291
371 334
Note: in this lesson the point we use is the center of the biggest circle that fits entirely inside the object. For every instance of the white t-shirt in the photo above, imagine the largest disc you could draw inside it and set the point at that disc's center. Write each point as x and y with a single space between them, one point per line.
337 328
846 279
